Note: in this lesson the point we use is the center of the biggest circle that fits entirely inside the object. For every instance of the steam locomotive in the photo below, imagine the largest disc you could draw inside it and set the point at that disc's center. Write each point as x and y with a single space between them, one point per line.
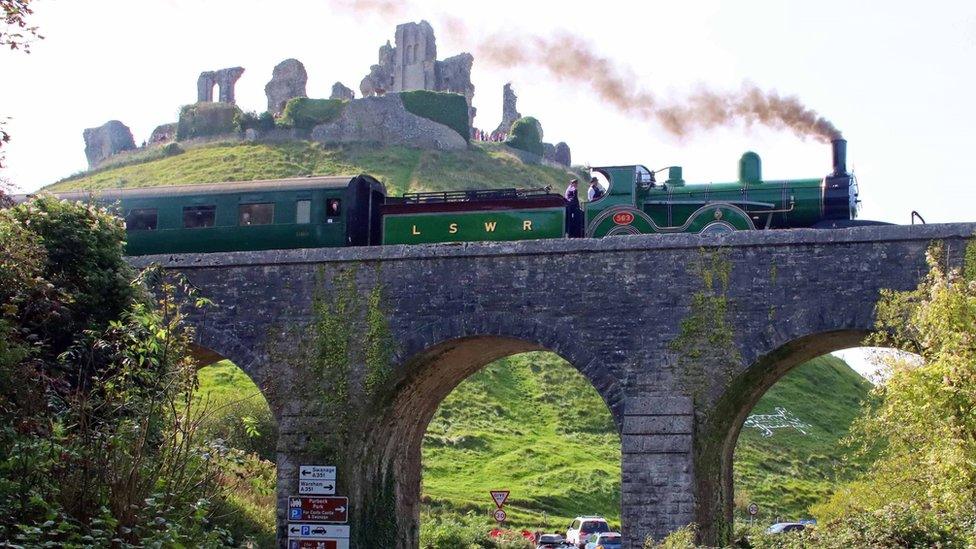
314 212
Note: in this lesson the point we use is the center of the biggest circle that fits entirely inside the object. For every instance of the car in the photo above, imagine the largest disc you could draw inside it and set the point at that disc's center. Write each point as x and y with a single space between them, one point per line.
582 527
550 541
605 540
783 527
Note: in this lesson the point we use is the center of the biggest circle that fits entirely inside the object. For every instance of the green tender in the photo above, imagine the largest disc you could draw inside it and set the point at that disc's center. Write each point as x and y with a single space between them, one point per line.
496 225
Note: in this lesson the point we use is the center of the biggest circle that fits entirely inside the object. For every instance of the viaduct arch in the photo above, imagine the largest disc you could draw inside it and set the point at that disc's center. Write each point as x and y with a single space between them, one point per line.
617 309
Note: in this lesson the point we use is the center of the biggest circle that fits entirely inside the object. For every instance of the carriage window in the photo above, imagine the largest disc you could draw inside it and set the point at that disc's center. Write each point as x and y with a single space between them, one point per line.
303 211
333 207
197 217
256 214
141 219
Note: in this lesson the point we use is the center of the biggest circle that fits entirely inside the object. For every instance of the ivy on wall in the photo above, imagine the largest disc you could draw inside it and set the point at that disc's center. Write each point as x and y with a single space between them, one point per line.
705 344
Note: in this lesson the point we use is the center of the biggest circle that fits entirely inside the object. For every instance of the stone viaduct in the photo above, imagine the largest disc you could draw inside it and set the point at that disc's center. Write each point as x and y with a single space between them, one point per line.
632 314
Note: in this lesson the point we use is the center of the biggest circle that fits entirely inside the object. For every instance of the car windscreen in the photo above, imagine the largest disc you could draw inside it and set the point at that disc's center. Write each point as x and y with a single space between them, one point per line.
595 526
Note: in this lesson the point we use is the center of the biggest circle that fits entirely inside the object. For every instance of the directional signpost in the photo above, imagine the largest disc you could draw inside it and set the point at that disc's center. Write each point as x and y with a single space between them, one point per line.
319 522
334 509
317 487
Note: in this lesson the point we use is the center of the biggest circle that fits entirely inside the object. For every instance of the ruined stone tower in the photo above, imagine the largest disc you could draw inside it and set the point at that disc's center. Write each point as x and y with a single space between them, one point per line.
411 64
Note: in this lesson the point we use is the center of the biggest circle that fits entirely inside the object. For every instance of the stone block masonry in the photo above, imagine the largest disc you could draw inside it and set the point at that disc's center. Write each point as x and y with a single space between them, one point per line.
613 308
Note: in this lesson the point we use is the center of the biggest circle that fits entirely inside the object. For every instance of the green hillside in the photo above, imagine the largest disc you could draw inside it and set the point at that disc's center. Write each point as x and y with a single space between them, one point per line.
485 165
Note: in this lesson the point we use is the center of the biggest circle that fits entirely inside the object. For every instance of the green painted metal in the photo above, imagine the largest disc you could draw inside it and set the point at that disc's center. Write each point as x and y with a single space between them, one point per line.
750 168
518 224
227 234
677 206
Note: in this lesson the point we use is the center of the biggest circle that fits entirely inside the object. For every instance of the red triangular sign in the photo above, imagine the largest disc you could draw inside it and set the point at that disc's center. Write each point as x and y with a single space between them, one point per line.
499 496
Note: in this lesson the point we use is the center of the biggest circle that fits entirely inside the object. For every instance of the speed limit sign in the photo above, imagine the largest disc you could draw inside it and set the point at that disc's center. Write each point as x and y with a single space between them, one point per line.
753 509
500 515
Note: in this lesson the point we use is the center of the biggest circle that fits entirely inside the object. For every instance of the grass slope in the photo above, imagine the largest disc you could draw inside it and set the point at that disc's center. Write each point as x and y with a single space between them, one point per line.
485 165
533 425
788 472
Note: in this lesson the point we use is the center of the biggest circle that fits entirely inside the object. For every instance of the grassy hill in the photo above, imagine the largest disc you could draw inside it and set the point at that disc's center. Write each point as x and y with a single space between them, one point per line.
485 165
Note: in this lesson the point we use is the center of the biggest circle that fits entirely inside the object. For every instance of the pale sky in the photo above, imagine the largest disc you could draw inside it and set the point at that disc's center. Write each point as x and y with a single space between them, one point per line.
896 77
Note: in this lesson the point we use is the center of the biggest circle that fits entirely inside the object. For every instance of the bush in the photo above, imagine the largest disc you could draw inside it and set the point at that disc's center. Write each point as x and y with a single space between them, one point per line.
526 136
449 109
206 119
304 113
172 149
250 121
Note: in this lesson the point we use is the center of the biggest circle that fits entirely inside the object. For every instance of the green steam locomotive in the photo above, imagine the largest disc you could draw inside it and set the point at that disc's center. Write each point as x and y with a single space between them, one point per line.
315 212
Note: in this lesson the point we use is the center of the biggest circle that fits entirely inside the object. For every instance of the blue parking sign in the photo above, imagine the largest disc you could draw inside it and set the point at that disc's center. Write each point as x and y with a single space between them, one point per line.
295 514
306 530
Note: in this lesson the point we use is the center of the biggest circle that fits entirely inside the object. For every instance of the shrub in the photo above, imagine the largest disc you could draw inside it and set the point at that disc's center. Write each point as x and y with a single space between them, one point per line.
251 121
172 149
304 113
449 109
526 136
206 119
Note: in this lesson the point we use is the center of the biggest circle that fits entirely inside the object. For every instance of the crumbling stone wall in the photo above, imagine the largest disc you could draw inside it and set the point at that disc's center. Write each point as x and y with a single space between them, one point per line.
340 91
102 142
509 109
224 79
288 81
412 65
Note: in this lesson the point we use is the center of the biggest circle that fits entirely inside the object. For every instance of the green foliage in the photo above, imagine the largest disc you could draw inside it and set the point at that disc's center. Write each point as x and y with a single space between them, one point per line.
253 121
235 411
449 109
171 149
927 413
705 341
682 538
207 119
304 113
525 135
98 441
82 261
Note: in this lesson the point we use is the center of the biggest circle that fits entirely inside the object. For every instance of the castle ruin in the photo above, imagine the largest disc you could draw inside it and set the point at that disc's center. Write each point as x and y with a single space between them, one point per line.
412 65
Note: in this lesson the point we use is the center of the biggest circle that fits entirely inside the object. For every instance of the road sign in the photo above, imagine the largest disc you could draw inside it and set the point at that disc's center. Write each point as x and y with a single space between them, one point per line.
318 509
317 531
753 509
318 543
499 497
316 486
500 515
319 472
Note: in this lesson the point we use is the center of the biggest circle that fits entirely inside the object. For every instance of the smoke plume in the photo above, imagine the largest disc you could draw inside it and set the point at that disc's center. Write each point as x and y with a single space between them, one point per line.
571 60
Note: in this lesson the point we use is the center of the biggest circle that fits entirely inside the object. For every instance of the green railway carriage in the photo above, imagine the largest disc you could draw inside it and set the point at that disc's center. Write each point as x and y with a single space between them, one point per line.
636 203
316 212
309 212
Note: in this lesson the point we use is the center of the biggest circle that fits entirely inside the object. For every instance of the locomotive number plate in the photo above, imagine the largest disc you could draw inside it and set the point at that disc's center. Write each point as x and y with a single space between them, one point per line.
623 218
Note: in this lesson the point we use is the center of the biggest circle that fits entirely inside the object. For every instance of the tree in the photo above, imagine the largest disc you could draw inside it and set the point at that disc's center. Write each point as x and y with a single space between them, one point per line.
926 418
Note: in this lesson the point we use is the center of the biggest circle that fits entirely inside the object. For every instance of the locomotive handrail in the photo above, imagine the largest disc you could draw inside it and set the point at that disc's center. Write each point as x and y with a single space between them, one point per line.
475 194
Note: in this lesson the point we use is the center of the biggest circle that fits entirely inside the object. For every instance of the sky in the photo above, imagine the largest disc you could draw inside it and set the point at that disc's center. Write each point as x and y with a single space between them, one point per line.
896 77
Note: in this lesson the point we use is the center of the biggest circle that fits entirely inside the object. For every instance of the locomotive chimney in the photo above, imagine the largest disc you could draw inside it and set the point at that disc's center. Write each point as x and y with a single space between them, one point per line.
839 148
